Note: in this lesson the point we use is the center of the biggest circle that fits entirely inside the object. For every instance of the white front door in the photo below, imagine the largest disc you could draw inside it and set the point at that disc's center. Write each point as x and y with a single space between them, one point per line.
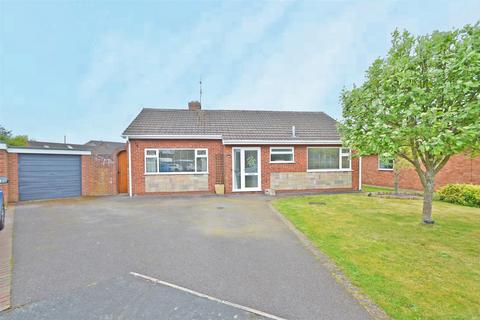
246 169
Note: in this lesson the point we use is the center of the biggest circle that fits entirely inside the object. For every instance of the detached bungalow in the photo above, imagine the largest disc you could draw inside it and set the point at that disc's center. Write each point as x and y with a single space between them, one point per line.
206 151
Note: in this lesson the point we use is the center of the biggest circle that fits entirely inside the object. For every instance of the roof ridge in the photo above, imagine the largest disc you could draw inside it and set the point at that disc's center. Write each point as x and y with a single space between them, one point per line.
228 110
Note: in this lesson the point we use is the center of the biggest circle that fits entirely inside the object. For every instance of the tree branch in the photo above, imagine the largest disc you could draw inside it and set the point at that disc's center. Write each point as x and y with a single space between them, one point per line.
441 164
417 165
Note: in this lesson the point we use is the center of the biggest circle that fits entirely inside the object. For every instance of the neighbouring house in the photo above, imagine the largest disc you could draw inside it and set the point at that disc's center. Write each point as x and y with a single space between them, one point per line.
48 170
461 168
203 151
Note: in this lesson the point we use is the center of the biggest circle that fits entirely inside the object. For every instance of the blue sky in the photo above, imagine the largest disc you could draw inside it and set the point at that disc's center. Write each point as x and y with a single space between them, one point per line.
85 69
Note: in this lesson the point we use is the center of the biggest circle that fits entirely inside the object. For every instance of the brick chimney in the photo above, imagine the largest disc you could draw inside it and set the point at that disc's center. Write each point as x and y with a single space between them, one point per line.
194 105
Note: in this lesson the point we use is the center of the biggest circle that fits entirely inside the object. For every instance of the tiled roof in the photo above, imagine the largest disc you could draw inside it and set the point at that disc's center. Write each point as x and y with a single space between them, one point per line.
97 147
235 124
56 146
105 147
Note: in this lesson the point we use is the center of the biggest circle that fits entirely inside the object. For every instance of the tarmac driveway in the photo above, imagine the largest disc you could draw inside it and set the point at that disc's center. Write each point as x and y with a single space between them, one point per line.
232 248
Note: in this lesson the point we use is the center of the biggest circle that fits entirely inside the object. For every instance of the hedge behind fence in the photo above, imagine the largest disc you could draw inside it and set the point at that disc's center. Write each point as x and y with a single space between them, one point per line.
463 194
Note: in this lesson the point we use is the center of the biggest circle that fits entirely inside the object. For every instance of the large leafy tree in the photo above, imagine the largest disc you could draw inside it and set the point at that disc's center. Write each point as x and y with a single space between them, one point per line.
421 103
7 137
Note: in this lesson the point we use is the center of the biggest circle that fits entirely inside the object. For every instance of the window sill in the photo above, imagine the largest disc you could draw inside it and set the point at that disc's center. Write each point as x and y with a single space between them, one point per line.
281 162
385 169
173 173
331 170
247 190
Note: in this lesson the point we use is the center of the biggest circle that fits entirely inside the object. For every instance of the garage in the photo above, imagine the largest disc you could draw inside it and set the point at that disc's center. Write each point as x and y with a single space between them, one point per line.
49 176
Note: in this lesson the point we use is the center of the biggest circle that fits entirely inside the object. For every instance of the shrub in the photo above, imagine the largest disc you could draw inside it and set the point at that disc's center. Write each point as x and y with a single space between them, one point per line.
463 194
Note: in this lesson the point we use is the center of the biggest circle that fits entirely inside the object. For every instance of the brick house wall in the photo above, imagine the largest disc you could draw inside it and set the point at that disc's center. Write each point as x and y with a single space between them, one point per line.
459 169
215 147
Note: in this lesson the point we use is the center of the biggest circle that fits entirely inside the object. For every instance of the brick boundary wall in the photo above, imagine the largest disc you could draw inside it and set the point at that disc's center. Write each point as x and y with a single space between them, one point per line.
459 169
4 173
12 177
6 260
99 175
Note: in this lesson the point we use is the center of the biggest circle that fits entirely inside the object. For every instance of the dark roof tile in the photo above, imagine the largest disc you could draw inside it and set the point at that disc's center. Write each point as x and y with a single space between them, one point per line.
235 124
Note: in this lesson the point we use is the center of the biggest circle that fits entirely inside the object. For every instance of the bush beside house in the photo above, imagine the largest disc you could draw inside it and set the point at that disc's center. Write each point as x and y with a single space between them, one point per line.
463 194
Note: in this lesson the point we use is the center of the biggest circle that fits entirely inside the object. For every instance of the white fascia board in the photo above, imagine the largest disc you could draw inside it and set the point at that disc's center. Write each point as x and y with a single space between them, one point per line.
3 146
173 137
282 142
49 151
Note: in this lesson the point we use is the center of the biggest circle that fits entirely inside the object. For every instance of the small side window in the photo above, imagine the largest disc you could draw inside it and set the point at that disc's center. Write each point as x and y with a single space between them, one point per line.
281 154
385 163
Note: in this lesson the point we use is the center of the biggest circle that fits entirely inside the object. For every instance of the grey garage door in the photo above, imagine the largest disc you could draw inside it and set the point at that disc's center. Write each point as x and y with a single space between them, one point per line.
42 176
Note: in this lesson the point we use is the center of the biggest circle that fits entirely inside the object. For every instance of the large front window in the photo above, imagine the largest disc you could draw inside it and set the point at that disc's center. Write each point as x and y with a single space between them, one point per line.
328 158
176 160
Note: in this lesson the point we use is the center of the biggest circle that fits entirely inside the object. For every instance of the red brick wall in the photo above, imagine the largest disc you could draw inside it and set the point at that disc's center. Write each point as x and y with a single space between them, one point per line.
216 147
4 173
12 177
460 169
138 158
86 174
99 175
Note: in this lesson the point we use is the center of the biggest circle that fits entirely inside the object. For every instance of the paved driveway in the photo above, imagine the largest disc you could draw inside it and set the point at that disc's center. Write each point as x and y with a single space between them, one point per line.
232 248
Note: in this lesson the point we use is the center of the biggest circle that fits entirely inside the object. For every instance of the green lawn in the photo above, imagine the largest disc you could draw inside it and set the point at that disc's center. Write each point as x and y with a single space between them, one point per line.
412 271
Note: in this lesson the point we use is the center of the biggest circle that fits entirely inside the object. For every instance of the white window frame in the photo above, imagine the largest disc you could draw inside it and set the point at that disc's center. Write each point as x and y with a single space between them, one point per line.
151 156
292 152
384 169
157 152
340 155
242 169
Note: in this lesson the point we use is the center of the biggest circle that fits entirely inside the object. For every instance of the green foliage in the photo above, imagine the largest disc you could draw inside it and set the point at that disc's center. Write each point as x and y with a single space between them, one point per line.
421 103
11 140
463 194
423 95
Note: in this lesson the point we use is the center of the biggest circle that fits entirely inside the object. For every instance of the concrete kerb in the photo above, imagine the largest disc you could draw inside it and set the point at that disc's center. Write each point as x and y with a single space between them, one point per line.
6 262
372 308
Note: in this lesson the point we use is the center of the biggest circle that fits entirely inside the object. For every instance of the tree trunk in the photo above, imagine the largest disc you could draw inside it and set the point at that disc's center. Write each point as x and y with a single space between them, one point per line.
428 196
396 174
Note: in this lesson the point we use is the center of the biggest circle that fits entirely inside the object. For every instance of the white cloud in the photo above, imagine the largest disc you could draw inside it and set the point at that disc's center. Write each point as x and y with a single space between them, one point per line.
156 69
314 50
306 64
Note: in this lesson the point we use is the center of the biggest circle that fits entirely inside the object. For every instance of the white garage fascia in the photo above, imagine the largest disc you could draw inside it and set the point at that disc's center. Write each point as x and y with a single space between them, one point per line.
48 151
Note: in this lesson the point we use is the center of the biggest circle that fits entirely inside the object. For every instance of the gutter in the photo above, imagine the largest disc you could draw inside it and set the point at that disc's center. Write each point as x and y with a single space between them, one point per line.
130 193
233 142
360 174
281 142
173 137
